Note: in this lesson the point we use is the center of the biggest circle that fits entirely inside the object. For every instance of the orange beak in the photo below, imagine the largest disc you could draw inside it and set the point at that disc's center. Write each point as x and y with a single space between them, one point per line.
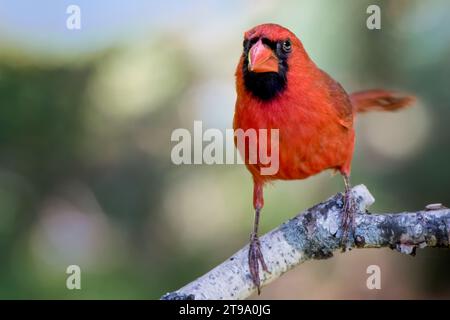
262 59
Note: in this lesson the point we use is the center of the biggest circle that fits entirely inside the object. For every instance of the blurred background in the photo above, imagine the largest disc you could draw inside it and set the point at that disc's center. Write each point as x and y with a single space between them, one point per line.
86 118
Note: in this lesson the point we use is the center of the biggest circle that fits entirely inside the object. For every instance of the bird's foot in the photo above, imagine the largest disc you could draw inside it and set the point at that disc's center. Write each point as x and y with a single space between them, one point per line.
348 220
255 257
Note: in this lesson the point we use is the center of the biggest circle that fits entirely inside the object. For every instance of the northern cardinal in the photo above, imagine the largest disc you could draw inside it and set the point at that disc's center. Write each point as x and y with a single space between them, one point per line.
279 87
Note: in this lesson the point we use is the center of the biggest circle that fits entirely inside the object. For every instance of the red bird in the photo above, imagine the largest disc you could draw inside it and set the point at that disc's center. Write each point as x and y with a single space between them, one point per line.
279 87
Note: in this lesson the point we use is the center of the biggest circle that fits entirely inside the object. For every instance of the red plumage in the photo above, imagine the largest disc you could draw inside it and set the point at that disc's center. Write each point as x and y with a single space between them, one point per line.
314 114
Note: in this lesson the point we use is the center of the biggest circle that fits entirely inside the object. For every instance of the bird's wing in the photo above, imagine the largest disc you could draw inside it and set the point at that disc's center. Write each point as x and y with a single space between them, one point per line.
339 99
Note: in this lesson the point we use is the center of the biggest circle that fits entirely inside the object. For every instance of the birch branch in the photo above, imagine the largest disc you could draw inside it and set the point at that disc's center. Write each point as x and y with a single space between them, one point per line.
315 234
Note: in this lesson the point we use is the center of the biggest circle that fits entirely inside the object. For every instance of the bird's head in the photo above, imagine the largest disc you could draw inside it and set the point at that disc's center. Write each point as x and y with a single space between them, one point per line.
270 52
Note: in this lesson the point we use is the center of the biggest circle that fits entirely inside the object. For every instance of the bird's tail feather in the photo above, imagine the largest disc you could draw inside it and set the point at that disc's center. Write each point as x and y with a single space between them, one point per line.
381 100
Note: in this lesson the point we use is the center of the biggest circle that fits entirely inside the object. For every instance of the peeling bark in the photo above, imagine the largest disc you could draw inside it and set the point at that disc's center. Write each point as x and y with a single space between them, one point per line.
315 234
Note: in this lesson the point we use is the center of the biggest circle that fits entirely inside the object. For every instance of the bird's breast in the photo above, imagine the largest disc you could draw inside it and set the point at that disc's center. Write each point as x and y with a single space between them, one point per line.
310 138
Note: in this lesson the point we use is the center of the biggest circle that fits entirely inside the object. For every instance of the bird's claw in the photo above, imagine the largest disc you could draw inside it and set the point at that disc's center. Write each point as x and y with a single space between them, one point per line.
348 220
255 257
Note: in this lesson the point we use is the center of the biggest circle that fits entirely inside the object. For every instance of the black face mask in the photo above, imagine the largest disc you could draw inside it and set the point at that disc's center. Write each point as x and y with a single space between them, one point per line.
267 85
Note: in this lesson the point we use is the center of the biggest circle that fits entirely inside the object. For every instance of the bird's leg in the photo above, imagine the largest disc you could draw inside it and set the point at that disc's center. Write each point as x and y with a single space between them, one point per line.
255 256
348 220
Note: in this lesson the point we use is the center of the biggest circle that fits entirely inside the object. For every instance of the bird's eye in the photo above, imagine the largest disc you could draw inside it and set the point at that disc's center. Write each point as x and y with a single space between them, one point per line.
287 46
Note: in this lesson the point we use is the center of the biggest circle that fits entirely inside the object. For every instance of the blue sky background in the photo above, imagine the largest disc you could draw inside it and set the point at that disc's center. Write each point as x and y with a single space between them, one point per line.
43 26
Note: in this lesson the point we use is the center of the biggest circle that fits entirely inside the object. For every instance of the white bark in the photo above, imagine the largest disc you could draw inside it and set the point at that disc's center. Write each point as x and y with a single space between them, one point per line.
315 234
